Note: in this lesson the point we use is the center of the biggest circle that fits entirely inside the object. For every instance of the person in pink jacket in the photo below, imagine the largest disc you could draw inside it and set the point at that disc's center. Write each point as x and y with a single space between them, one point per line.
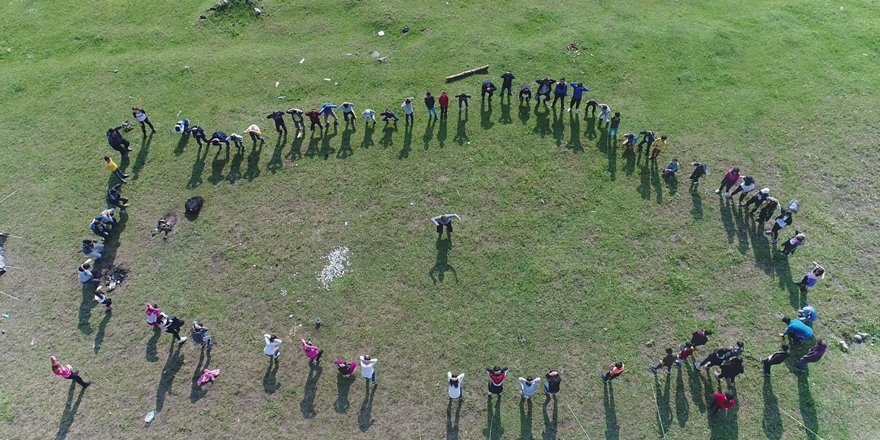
346 369
153 313
67 372
313 352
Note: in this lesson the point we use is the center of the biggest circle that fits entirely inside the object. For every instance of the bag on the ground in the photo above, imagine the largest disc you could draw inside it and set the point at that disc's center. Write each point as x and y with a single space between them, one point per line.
194 205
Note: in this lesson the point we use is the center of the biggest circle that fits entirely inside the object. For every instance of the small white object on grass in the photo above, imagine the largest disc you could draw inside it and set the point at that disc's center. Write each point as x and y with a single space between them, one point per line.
150 416
328 79
302 60
277 83
382 33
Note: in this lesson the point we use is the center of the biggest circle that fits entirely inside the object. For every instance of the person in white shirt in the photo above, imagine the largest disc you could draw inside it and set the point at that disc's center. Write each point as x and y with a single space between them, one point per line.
604 113
141 116
455 383
238 140
407 107
369 115
745 187
368 368
347 112
272 350
444 220
106 217
85 273
529 385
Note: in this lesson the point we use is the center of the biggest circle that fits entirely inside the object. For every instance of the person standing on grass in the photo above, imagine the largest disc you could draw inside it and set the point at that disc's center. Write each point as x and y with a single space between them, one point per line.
443 100
730 370
700 337
544 86
113 168
671 168
807 314
172 325
314 119
528 386
728 180
328 110
219 137
686 350
614 371
496 380
774 359
783 220
721 401
389 115
812 277
85 274
278 117
488 88
345 369
560 92
592 104
714 358
552 382
615 123
370 115
429 104
660 145
106 217
454 385
181 127
117 141
368 368
604 113
758 199
256 135
238 141
115 199
272 348
629 141
793 243
796 330
408 110
92 249
768 210
198 133
312 351
297 116
525 94
507 83
648 138
814 355
153 313
577 93
200 336
442 221
744 188
700 170
141 116
347 112
463 99
99 229
667 362
67 372
737 350
104 300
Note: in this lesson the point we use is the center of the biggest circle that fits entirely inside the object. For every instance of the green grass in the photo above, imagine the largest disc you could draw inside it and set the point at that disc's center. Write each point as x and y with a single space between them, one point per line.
570 255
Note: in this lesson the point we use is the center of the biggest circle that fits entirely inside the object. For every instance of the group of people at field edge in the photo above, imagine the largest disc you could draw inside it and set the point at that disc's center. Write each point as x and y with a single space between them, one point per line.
729 360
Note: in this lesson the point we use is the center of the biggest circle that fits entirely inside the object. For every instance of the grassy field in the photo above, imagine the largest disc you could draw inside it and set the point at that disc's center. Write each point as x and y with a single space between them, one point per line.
570 254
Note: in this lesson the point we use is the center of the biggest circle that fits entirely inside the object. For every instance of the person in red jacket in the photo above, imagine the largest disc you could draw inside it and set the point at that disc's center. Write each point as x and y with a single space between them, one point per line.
615 370
722 401
314 118
686 351
496 380
444 103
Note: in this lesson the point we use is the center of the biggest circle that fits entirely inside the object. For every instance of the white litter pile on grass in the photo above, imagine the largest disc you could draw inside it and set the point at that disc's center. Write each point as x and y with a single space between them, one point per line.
337 262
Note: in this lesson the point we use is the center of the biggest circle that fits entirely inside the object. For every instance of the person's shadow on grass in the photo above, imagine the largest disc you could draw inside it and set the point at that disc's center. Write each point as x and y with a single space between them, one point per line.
407 142
452 422
807 407
574 141
505 113
695 383
369 129
591 127
345 150
270 382
525 113
429 133
772 422
671 184
235 167
326 149
629 164
682 407
494 430
217 165
610 148
141 158
312 149
441 265
253 163
166 381
486 115
365 418
696 202
663 407
307 405
724 210
388 134
343 386
558 127
275 162
644 182
296 146
612 429
551 425
151 354
542 120
181 144
85 308
461 135
741 227
198 168
70 409
442 132
525 418
99 336
197 392
655 182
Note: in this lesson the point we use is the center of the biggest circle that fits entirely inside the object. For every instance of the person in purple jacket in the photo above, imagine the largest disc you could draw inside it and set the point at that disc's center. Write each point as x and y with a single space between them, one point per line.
278 117
813 355
577 92
559 93
730 179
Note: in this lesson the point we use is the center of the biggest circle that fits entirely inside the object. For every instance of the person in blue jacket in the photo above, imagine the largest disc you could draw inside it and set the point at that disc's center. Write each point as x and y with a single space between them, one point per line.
796 330
278 117
577 92
560 93
507 83
488 88
198 133
219 137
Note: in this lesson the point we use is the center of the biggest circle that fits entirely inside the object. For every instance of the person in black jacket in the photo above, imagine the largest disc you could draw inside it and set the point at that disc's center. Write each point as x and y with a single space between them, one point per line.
768 209
544 88
115 199
488 88
462 99
278 117
219 137
198 133
783 220
429 103
507 83
117 142
730 370
774 359
717 357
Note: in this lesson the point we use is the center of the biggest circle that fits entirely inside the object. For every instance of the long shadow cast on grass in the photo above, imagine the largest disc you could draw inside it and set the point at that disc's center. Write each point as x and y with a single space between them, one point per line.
345 150
542 120
166 380
494 430
196 392
741 227
558 127
629 164
253 163
696 202
429 133
181 144
441 265
99 336
365 418
270 378
663 407
505 112
326 149
275 162
141 158
152 353
486 115
525 419
612 429
70 409
807 407
407 142
461 135
655 182
217 166
725 211
551 425
525 112
452 426
574 140
367 141
312 148
682 406
343 386
772 422
295 152
591 127
307 405
443 132
235 167
198 168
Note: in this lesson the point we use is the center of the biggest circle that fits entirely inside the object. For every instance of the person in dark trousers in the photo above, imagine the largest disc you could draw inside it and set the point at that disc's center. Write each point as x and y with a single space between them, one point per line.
200 335
648 138
736 351
671 168
429 104
99 229
730 370
729 179
814 355
544 89
172 325
614 371
103 299
722 401
744 188
198 133
614 126
593 105
811 278
700 170
525 95
782 221
668 361
67 372
443 100
442 221
389 115
700 338
560 93
347 112
768 210
117 141
577 93
507 83
552 382
238 141
141 116
758 199
113 168
774 359
714 358
278 117
408 111
115 198
463 99
496 380
219 137
793 243
314 119
488 88
297 116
